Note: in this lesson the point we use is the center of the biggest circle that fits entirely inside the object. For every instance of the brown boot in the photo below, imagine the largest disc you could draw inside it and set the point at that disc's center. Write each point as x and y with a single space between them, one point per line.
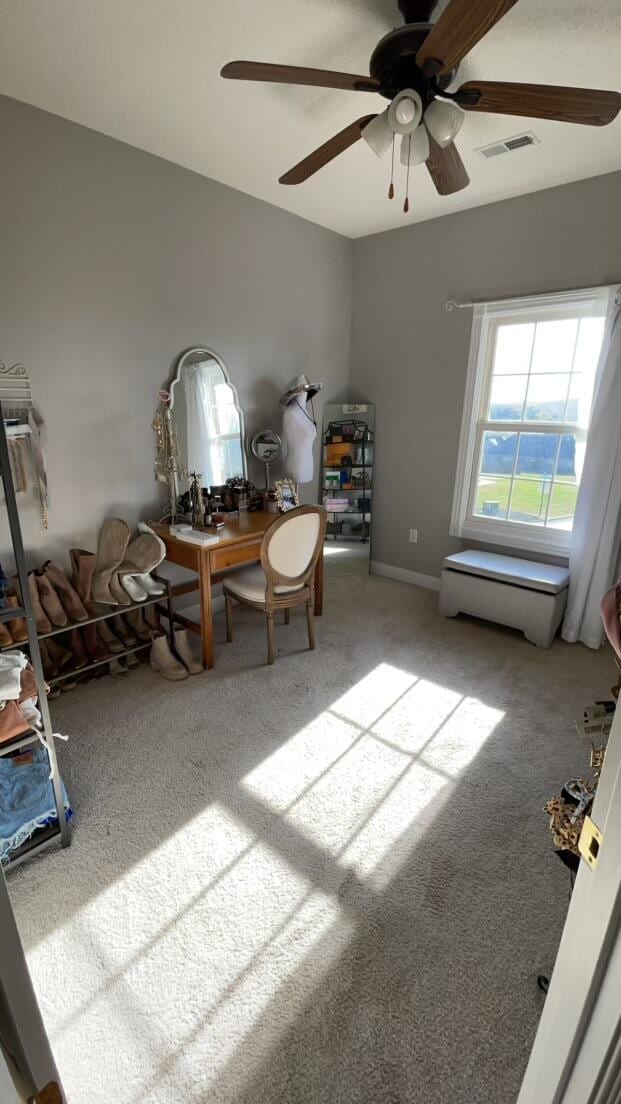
50 668
50 601
42 622
17 628
138 625
152 618
107 637
5 637
76 644
70 600
120 595
95 649
83 567
124 632
113 540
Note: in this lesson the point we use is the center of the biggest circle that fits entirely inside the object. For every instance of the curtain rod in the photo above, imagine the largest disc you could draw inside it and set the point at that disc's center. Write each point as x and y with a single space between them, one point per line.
456 304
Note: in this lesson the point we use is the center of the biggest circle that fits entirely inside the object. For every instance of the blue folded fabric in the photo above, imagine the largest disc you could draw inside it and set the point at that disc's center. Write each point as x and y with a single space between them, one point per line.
26 801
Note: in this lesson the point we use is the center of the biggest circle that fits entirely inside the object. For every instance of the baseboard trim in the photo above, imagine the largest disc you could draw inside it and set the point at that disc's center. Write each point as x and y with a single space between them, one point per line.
414 578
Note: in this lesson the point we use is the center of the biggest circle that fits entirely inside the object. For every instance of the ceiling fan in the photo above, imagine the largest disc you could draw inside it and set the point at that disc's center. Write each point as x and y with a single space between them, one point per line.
412 67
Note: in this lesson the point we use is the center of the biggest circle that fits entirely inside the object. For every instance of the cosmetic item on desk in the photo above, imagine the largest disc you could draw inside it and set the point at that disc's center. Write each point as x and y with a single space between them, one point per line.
217 521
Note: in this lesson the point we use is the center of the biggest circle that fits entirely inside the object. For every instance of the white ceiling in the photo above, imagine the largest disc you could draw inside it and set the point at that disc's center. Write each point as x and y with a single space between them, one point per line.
147 72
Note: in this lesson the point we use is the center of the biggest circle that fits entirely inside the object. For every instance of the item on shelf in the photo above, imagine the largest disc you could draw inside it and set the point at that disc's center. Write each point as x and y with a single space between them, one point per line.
286 495
62 660
336 505
108 638
17 628
123 631
12 664
4 587
95 649
83 567
142 556
188 648
6 639
111 547
138 625
68 597
27 800
117 670
78 651
43 623
52 606
164 662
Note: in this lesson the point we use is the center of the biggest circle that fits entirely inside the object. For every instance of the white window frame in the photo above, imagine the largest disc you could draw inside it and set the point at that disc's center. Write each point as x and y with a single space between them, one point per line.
586 303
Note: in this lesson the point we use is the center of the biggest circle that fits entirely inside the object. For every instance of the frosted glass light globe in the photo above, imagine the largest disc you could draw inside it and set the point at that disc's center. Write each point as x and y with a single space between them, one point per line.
405 111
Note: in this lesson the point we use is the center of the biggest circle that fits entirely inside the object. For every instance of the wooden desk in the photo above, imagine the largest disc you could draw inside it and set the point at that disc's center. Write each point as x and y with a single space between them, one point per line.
239 542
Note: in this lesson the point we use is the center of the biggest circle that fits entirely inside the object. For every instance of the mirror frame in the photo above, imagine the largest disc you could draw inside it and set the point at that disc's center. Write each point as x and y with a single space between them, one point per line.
181 361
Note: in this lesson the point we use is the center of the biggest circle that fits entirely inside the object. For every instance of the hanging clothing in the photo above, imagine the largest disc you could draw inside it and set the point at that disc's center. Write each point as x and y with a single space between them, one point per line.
299 430
596 536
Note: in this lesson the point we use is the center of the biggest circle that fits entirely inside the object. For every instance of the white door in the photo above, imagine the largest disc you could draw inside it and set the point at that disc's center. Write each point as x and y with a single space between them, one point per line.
575 1056
26 1061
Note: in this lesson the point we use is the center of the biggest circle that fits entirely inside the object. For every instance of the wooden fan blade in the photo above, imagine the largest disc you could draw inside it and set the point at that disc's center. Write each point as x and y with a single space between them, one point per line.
296 74
446 168
330 149
541 101
461 25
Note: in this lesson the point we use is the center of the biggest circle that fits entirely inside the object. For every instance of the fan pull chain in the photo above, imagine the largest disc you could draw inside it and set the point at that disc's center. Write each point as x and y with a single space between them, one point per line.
391 190
406 202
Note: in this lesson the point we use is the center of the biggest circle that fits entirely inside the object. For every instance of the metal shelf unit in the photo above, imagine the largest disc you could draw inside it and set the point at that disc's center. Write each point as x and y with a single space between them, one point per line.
46 736
365 444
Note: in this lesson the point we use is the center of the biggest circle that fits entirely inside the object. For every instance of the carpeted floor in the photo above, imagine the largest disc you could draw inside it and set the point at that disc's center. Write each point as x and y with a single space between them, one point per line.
325 882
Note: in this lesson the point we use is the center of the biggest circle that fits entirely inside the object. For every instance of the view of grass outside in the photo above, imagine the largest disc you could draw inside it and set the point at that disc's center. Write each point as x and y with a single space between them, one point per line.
527 501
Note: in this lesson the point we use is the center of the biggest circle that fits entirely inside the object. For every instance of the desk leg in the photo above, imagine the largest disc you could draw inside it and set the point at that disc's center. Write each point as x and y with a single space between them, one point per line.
319 586
204 576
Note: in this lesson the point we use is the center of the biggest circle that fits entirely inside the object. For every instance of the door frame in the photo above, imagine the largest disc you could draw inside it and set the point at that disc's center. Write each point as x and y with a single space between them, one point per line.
577 1049
23 1040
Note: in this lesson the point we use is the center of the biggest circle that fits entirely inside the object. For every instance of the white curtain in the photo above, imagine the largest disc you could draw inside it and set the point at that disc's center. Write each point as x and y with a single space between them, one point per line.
596 537
202 449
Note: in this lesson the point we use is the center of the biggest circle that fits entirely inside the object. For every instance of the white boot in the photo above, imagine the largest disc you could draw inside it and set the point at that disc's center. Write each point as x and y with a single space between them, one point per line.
148 583
163 661
188 648
133 588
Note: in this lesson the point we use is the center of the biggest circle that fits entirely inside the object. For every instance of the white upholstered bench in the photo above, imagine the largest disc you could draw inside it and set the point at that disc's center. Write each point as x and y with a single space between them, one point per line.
521 593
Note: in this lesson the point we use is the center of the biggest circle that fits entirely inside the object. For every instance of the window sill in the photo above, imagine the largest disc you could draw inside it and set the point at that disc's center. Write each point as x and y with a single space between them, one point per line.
548 542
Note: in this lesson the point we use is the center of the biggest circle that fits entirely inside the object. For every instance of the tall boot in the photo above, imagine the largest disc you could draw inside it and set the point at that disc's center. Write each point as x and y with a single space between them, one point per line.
95 649
113 540
50 601
41 620
83 565
69 598
152 618
6 639
17 627
63 659
107 637
141 556
123 631
76 644
149 584
138 625
120 595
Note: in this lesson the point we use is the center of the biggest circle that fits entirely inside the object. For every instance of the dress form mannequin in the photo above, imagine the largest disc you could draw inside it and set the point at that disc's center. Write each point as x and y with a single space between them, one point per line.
300 430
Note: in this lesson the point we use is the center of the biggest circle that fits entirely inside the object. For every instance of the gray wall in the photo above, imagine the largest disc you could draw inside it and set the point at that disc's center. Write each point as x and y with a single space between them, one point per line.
111 263
410 357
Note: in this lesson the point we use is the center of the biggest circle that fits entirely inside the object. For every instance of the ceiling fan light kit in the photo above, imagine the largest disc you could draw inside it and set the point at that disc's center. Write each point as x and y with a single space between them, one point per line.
413 67
444 121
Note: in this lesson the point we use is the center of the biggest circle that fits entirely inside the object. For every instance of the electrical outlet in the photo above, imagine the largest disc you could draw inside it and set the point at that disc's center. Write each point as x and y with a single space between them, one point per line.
413 536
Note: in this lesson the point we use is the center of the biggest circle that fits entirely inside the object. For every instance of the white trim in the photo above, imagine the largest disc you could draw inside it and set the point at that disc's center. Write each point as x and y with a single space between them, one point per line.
585 302
414 578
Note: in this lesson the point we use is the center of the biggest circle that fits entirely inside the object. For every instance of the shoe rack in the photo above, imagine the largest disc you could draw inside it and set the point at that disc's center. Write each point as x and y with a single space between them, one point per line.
33 737
163 603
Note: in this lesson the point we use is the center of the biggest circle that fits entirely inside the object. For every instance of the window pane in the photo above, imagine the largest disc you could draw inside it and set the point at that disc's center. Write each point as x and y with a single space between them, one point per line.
563 505
589 344
498 453
554 346
507 398
529 500
513 349
546 398
569 458
537 454
492 497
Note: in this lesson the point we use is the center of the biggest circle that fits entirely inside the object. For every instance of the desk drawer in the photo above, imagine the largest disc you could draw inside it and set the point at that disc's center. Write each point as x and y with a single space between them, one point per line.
221 558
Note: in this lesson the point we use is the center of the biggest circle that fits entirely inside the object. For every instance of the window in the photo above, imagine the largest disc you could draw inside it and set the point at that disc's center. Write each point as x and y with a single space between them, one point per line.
526 418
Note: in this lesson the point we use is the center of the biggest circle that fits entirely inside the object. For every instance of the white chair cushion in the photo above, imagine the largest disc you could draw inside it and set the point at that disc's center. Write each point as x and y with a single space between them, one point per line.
250 585
291 547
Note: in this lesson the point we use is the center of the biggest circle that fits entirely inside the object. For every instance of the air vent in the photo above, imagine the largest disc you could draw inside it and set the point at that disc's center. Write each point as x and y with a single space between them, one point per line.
508 145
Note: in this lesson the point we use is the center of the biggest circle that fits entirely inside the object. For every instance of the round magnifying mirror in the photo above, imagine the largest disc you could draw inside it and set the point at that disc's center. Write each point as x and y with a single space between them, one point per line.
267 447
